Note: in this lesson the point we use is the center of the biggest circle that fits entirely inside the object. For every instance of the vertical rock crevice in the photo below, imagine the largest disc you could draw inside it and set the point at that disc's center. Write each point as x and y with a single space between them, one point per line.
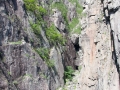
109 14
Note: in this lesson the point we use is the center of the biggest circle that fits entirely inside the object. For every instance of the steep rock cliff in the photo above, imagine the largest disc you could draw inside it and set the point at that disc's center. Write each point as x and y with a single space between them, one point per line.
99 42
40 38
28 59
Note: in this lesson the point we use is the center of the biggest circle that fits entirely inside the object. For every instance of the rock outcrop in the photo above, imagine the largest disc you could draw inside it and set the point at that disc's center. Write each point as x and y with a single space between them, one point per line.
99 40
33 59
21 67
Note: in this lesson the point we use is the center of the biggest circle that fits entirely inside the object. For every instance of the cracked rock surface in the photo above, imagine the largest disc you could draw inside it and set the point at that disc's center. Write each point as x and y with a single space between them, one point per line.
99 42
94 53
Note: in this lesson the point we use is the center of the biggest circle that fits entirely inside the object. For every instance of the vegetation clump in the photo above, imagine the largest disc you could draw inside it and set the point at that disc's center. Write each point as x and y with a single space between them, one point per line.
62 8
73 24
44 54
38 11
68 73
36 28
31 5
54 35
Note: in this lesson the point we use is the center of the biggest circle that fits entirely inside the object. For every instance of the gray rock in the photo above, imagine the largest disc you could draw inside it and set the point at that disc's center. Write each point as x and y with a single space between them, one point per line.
58 19
75 38
71 11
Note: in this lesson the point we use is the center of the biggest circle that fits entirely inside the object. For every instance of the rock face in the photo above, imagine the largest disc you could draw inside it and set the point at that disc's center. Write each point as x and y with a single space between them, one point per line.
21 67
29 60
58 20
99 40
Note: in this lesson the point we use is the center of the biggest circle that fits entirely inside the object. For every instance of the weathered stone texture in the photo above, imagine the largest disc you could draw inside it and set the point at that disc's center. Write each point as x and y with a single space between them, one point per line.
96 50
99 42
21 68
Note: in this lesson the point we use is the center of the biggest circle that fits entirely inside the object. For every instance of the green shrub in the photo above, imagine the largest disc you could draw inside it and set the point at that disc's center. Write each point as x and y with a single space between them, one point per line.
35 27
68 72
42 10
62 8
44 54
50 63
38 11
30 5
54 36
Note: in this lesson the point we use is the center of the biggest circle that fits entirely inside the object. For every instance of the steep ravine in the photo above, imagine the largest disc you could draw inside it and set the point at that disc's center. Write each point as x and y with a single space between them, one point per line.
40 39
99 40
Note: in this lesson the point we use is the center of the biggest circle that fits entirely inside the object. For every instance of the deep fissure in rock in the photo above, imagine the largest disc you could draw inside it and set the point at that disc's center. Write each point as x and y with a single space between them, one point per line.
77 47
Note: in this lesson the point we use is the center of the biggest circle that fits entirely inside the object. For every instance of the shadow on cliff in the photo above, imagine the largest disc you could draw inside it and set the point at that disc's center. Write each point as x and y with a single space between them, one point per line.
114 56
1 54
107 21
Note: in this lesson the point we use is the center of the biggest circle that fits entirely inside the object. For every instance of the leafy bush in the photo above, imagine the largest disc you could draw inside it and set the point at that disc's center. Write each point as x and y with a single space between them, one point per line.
35 27
54 36
41 10
68 72
38 11
44 54
31 5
